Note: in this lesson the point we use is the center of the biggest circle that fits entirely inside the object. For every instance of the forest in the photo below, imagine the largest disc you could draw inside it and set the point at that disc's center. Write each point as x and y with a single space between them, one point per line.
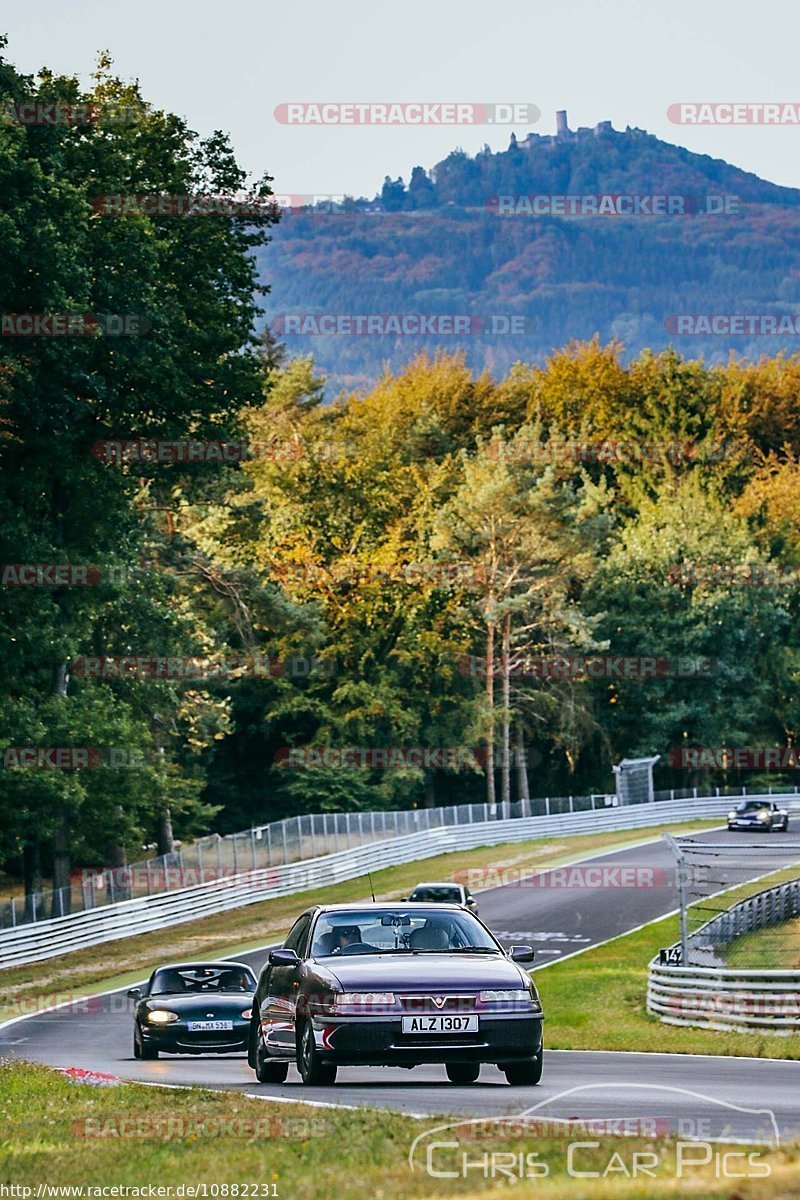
229 596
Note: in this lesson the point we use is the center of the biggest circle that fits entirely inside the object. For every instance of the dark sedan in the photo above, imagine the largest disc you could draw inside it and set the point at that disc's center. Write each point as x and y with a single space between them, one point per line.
758 814
193 1008
395 985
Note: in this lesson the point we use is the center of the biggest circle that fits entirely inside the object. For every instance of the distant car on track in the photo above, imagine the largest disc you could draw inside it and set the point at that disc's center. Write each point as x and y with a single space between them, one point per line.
444 893
395 985
758 814
193 1008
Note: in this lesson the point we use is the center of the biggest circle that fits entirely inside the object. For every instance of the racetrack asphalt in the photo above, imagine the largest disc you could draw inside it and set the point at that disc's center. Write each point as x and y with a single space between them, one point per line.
560 912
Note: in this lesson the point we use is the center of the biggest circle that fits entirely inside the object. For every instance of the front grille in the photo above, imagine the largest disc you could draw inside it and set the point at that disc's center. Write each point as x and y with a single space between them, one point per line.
199 1041
427 1003
210 1036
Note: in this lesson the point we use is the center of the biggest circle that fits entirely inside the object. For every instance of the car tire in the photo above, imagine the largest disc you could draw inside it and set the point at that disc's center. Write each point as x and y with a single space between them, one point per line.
459 1072
140 1049
313 1071
526 1073
269 1070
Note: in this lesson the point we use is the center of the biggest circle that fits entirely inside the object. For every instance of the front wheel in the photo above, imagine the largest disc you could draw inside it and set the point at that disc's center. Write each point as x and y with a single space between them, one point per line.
462 1072
526 1073
313 1071
269 1070
140 1050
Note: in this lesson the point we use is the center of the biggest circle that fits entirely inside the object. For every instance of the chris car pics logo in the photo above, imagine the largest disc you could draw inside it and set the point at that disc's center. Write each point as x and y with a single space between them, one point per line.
690 1147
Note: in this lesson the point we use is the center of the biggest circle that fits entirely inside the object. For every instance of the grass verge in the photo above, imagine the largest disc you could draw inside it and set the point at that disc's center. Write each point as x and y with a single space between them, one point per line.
121 963
60 1134
775 948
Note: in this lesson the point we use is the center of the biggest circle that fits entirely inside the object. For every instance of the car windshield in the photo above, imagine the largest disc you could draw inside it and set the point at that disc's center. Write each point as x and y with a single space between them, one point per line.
437 894
400 931
202 980
752 806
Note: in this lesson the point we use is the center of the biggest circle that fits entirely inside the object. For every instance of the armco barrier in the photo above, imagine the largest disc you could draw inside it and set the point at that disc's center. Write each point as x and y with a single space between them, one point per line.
310 835
742 999
721 998
59 935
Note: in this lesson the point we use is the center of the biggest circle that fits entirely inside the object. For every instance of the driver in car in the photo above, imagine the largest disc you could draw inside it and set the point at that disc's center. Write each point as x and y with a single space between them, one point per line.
348 935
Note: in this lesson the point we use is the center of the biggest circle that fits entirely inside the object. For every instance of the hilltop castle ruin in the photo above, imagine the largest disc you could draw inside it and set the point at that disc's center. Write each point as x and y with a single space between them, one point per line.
563 133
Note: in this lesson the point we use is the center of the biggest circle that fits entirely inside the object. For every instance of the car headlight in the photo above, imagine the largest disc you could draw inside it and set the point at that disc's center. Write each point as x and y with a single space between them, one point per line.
515 996
364 1000
247 1014
732 815
763 815
161 1016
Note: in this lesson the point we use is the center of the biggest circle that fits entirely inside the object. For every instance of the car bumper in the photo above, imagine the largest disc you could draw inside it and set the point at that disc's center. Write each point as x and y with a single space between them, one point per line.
749 824
177 1039
382 1043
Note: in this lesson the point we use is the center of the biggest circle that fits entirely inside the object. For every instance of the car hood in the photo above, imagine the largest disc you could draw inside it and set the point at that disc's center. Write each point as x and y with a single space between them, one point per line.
409 972
226 1005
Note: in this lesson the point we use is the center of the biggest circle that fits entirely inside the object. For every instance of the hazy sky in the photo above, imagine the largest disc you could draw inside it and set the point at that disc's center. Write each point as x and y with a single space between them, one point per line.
227 65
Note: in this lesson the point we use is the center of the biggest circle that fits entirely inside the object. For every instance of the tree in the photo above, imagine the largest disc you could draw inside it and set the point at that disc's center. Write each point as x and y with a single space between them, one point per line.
187 289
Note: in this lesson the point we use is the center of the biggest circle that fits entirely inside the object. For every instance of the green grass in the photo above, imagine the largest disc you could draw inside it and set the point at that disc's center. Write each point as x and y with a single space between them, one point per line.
124 962
194 1136
775 948
596 1000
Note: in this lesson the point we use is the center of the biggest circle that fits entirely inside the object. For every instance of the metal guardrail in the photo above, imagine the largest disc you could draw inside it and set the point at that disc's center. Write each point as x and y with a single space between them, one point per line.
278 843
281 842
741 999
59 935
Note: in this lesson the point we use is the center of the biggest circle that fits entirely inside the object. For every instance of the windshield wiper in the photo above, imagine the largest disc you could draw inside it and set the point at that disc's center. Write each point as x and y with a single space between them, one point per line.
474 950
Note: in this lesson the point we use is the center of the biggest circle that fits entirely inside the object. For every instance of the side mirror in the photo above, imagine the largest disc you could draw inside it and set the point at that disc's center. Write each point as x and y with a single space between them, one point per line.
134 993
522 954
283 958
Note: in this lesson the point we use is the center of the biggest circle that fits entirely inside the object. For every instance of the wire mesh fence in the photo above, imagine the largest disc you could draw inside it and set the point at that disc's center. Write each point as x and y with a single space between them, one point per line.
290 840
727 920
